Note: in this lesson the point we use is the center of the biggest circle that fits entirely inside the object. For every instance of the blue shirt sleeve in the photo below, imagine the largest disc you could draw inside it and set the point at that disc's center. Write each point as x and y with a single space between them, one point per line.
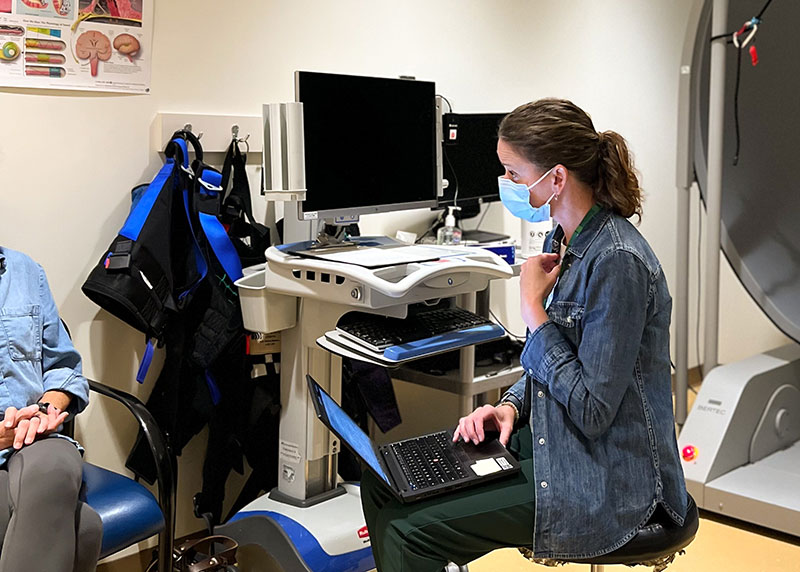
61 362
591 381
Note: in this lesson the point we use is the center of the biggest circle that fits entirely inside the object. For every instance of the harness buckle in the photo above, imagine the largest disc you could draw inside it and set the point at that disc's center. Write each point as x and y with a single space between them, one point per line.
208 204
118 262
209 187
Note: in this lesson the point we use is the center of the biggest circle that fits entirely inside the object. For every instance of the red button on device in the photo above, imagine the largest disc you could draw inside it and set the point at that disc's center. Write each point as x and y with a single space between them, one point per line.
689 453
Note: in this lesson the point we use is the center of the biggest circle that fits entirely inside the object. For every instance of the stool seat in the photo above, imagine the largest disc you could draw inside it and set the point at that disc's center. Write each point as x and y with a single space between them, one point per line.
654 545
658 538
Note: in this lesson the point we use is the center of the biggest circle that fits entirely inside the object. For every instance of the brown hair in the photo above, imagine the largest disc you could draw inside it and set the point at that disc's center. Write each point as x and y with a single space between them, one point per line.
555 131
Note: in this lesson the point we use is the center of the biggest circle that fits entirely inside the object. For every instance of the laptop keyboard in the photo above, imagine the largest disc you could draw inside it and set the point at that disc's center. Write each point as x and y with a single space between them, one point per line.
380 332
428 461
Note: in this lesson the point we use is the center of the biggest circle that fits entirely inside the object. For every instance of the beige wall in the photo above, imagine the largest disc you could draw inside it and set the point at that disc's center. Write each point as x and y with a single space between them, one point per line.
68 160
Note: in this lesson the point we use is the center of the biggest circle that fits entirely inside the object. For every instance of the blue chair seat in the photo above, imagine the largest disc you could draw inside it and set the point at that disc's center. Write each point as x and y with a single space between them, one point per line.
130 513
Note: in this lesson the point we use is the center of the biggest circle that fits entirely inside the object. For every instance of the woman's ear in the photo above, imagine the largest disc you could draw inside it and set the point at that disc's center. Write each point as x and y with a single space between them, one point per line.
560 175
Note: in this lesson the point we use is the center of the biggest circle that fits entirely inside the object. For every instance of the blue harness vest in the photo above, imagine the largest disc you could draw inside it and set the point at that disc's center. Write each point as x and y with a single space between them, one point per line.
156 262
170 274
139 275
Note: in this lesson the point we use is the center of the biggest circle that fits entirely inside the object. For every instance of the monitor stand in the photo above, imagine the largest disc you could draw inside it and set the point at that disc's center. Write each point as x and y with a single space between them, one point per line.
482 236
328 241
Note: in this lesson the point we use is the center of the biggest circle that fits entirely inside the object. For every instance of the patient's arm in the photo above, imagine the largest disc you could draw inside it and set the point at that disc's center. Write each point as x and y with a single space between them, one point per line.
58 399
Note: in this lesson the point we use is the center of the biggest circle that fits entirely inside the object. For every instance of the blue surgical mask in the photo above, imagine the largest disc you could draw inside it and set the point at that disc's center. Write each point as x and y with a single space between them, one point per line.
517 199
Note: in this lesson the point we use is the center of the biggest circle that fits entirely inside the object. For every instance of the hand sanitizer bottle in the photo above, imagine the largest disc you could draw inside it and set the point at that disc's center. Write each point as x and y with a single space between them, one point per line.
449 233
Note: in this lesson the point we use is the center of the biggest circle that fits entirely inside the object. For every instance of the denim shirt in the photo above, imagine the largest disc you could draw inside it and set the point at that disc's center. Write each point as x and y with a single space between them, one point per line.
600 402
36 354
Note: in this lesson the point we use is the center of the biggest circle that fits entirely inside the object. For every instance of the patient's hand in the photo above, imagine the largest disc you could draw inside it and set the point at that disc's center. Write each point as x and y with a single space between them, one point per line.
28 424
51 422
6 437
13 416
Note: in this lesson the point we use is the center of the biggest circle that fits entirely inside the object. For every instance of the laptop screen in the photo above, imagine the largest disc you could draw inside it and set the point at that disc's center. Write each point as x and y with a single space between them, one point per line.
351 434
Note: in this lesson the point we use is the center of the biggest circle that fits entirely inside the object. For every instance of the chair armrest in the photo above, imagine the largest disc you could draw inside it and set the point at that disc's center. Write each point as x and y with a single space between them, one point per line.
165 465
152 432
165 473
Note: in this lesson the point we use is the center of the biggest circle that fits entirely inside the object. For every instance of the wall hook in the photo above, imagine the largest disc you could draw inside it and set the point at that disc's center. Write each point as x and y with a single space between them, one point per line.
188 127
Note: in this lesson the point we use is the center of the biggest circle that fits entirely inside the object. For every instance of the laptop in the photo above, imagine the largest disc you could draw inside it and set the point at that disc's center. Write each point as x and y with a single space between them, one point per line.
420 467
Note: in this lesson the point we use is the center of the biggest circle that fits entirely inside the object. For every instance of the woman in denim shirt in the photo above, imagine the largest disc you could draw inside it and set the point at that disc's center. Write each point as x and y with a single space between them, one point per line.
595 428
43 524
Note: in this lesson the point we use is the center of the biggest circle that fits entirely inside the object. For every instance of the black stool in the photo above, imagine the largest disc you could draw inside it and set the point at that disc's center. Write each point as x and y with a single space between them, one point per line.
656 544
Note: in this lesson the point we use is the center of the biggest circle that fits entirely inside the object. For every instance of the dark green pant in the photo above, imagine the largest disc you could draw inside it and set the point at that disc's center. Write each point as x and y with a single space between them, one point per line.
459 527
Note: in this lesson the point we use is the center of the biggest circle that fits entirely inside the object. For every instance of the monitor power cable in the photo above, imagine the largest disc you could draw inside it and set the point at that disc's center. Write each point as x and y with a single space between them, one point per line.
446 158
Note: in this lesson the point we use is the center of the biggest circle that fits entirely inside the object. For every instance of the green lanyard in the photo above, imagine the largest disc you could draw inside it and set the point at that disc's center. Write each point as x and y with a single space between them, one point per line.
592 211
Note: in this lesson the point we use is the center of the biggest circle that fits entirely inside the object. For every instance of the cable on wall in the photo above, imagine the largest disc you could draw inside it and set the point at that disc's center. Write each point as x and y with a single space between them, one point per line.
740 39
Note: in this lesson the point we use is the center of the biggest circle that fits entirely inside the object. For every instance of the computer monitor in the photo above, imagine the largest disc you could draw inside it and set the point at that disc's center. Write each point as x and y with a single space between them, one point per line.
470 164
371 145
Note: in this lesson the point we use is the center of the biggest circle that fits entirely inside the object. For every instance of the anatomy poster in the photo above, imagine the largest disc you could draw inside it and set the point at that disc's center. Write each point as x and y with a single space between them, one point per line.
97 45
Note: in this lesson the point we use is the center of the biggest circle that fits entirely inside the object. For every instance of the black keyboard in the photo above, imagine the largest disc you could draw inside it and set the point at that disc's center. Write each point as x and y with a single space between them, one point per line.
428 461
380 332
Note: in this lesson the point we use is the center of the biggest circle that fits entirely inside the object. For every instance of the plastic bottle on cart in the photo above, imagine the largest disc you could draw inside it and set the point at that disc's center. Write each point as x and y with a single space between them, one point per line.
449 233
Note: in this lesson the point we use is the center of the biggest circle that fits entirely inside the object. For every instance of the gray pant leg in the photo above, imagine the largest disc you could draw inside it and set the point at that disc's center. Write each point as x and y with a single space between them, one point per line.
89 530
43 484
5 506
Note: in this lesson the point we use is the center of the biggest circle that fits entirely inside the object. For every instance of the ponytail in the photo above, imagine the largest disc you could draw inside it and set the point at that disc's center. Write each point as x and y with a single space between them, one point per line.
617 183
556 131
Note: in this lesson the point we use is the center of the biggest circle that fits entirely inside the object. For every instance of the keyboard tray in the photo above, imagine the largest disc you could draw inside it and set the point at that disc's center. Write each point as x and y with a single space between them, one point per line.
394 356
378 333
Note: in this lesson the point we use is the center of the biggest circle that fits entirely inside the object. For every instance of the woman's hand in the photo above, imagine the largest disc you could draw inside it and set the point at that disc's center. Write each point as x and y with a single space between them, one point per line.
537 278
472 427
